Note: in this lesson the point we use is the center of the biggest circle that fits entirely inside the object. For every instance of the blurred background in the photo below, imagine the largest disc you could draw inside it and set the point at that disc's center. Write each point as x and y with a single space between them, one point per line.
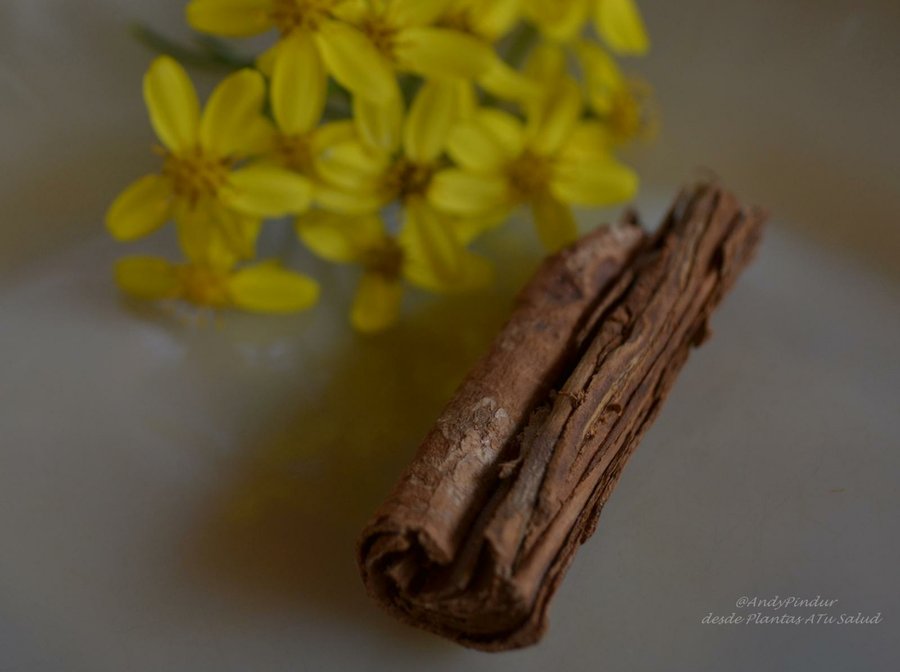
182 496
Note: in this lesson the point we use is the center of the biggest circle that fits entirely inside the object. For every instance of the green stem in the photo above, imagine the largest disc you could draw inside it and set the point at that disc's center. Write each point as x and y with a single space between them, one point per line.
207 53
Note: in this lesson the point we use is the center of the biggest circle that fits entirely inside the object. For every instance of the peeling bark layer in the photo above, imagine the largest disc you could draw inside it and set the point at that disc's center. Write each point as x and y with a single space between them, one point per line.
479 531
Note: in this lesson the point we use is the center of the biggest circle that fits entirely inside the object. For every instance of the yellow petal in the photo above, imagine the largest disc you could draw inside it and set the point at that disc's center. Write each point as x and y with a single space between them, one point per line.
434 111
507 83
546 64
506 129
349 202
466 193
377 303
379 125
211 235
142 208
336 237
434 257
147 277
172 102
432 251
551 123
269 288
267 191
554 221
487 142
355 62
596 182
298 84
332 133
602 77
468 229
441 52
230 18
409 13
230 120
559 20
493 20
265 62
620 24
351 165
589 141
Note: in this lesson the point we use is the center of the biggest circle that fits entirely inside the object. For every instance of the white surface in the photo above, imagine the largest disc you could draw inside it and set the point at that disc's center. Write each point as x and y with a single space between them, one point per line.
184 497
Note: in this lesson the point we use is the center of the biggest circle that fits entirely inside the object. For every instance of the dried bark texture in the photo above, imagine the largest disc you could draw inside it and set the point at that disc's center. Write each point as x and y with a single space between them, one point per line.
478 533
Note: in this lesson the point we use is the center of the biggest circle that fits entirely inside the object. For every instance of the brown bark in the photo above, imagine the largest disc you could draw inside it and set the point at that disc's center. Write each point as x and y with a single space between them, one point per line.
478 533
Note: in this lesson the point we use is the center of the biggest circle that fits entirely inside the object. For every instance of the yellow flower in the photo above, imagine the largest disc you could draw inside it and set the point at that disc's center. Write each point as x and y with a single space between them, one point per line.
395 154
421 37
618 22
622 103
553 160
424 254
488 21
345 51
298 93
201 185
262 288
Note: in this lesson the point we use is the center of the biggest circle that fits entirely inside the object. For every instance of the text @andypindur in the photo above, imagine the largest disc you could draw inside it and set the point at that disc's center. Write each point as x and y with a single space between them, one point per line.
790 610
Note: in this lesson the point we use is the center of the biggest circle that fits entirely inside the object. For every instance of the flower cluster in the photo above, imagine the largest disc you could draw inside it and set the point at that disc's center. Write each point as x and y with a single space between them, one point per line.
392 132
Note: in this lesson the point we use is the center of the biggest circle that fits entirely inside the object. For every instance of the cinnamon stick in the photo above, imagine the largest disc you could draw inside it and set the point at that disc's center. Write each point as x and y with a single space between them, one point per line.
479 531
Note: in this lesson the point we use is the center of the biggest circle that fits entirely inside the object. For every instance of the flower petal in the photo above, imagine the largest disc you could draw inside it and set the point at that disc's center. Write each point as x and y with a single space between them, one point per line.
493 20
486 142
147 278
172 102
298 85
506 82
269 288
267 191
441 52
355 62
377 303
232 114
349 202
466 193
142 208
560 20
554 221
211 235
352 165
379 125
551 123
408 13
434 110
602 77
589 141
596 182
230 18
620 25
338 238
435 258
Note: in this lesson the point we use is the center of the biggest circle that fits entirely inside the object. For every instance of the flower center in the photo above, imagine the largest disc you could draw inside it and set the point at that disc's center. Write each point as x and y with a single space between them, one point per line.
295 152
196 174
385 258
529 174
291 15
381 33
204 286
631 113
406 179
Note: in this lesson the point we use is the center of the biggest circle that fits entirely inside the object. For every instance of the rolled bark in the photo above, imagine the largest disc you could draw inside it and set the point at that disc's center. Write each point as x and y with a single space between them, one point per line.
479 531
